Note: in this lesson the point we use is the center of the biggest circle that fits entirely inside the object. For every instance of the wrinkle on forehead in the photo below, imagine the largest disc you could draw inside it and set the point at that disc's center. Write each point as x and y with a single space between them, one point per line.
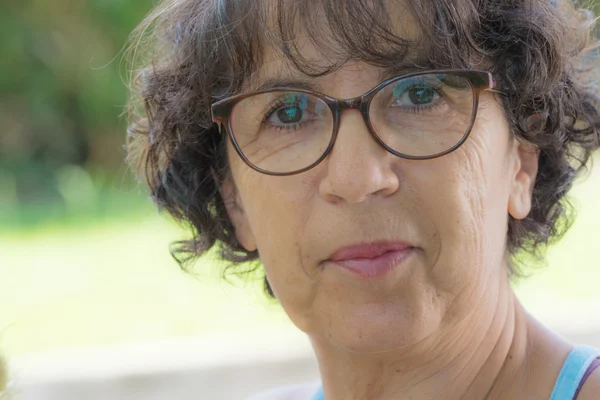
277 73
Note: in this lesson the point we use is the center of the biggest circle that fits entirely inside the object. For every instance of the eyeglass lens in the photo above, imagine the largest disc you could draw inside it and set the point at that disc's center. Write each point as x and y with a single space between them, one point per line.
419 116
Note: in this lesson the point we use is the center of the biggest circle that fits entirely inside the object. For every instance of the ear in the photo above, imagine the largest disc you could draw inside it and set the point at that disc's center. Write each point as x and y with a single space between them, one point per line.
523 179
237 215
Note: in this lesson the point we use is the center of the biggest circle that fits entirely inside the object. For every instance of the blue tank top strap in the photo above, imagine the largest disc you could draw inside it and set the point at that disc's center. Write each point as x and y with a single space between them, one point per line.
575 366
319 395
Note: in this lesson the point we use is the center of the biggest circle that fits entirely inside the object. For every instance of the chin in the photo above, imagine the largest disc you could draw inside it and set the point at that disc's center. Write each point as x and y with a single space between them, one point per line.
373 330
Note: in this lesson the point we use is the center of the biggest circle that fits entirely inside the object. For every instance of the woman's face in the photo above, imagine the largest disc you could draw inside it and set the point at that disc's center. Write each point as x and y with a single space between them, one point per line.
452 211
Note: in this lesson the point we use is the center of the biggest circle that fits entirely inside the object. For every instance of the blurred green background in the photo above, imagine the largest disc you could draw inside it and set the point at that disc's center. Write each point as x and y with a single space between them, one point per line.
61 95
83 254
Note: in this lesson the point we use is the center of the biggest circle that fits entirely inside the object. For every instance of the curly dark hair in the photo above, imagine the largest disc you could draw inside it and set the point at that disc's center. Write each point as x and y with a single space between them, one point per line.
188 54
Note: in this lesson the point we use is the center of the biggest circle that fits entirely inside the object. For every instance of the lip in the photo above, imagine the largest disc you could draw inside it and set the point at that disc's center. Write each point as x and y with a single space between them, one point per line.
371 260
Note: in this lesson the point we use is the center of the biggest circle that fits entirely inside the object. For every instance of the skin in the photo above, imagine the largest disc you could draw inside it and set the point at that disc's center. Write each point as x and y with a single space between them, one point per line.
446 321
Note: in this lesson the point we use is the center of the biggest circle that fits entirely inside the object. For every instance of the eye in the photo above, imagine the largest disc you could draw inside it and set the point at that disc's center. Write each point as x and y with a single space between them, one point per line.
422 95
414 94
289 115
290 110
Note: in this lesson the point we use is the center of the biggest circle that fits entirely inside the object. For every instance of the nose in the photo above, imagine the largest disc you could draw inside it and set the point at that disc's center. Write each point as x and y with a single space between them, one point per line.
357 167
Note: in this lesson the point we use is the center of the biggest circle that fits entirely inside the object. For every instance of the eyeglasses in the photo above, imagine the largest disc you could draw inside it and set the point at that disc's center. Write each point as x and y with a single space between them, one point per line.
417 116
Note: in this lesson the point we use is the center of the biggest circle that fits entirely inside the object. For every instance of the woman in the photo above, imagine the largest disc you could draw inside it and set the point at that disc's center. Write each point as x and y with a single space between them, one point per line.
387 222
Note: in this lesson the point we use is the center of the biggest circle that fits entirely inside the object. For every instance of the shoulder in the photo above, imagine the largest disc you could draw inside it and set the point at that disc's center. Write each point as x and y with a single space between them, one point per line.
591 387
295 392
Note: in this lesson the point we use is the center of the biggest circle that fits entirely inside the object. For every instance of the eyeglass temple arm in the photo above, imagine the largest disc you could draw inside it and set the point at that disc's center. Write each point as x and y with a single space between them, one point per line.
496 91
492 86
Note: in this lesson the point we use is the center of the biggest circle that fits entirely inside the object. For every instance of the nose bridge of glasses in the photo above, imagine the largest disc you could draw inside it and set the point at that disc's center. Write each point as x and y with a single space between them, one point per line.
360 103
349 104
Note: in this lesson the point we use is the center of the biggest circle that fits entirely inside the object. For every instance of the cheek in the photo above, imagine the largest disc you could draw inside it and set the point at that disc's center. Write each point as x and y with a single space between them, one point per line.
274 206
280 216
466 195
278 210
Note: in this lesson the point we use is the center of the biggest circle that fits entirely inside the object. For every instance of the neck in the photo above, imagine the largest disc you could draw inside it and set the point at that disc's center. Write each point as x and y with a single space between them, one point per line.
478 359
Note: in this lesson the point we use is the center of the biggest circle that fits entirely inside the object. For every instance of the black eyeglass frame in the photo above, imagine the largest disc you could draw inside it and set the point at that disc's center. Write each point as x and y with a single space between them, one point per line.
479 80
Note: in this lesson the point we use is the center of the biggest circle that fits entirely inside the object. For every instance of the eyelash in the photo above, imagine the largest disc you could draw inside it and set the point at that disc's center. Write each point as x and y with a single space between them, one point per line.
272 110
419 109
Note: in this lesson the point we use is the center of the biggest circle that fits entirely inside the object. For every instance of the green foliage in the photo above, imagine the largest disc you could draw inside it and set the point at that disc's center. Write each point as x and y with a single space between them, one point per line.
61 97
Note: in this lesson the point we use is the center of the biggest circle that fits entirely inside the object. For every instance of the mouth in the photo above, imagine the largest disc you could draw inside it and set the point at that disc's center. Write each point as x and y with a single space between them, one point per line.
371 260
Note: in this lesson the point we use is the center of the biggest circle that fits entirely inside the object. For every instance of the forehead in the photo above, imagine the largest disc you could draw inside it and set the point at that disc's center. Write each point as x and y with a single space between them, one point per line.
306 41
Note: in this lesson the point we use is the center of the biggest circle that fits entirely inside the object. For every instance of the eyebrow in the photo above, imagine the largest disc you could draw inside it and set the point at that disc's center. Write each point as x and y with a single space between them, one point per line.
293 82
405 67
